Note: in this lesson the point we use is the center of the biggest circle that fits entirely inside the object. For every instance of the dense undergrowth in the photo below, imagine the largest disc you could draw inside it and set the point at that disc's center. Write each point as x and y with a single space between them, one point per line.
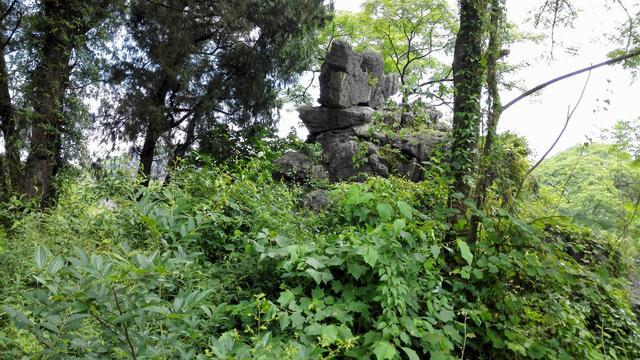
224 263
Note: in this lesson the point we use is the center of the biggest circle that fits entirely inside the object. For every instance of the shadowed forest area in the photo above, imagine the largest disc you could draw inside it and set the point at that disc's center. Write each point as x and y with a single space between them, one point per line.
149 208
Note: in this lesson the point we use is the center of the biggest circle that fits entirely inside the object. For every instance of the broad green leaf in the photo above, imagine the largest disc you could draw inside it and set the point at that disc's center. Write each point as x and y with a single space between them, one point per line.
465 251
227 341
435 250
370 256
297 320
329 334
405 209
384 350
265 340
398 225
356 270
317 294
55 265
158 309
408 237
41 256
445 315
315 263
316 275
385 211
412 355
22 322
286 297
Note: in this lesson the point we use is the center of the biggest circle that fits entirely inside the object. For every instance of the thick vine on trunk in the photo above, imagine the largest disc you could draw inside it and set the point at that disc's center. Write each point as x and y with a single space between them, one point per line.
468 73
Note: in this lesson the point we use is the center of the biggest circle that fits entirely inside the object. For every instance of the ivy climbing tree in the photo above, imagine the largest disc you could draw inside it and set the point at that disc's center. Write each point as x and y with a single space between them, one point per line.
468 79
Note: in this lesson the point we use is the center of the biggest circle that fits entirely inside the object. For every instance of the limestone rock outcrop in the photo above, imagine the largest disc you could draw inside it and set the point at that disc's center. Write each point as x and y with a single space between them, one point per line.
321 119
353 87
296 167
350 79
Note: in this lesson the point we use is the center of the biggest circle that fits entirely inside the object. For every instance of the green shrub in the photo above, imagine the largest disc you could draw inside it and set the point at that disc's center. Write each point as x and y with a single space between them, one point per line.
262 278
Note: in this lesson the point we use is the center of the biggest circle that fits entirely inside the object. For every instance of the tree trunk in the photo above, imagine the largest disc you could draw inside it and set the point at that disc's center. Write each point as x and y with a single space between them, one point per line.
493 53
157 123
495 110
181 149
49 83
8 125
148 152
467 80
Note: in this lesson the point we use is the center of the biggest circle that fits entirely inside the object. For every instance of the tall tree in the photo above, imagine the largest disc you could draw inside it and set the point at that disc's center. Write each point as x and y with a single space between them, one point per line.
12 12
192 64
468 79
60 31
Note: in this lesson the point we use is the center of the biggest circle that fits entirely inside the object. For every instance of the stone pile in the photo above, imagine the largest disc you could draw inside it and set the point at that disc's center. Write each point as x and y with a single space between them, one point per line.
353 87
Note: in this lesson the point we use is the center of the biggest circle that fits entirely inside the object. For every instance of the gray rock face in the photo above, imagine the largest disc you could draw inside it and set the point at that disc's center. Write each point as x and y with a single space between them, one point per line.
434 114
348 157
349 79
317 200
387 87
351 86
339 152
320 119
297 167
418 145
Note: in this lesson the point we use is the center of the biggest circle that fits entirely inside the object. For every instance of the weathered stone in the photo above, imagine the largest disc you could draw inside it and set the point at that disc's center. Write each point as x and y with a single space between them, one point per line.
434 114
351 85
341 57
418 145
387 86
297 167
406 119
349 158
377 164
316 200
319 173
321 119
349 79
373 65
410 169
443 127
339 152
341 90
363 131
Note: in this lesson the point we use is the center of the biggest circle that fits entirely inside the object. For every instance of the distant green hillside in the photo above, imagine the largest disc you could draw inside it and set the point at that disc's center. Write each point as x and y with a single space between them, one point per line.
596 185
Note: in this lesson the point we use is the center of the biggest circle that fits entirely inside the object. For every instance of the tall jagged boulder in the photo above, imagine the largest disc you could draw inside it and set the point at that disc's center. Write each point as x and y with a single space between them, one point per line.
352 86
348 78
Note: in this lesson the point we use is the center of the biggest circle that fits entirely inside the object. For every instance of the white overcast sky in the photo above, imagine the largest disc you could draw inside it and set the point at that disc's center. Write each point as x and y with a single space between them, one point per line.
541 118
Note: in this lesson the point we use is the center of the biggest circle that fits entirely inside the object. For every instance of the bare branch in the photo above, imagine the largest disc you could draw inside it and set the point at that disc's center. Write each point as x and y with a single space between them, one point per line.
570 113
571 74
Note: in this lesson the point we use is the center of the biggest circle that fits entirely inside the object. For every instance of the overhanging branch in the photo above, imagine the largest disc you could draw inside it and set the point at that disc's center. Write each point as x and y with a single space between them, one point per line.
573 73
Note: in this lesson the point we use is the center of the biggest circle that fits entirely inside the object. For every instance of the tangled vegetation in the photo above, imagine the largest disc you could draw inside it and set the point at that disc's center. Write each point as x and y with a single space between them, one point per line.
224 263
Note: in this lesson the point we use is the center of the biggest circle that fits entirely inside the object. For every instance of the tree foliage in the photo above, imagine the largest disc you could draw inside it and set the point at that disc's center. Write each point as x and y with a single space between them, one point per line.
190 65
597 185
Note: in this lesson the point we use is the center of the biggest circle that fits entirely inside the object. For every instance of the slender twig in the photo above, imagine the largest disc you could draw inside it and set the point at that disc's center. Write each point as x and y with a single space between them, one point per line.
573 73
124 327
464 340
634 213
631 24
570 113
